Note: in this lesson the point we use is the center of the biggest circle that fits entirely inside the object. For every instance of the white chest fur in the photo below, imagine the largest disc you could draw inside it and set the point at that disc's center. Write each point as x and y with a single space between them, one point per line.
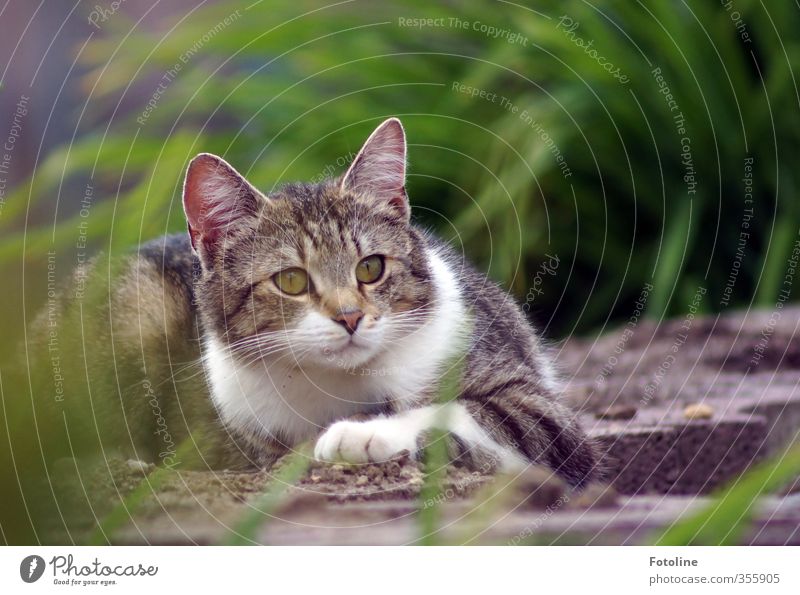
280 399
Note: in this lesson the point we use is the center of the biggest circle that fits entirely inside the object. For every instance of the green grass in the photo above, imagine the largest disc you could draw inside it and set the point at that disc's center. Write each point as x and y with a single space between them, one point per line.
122 512
289 88
257 516
436 456
436 459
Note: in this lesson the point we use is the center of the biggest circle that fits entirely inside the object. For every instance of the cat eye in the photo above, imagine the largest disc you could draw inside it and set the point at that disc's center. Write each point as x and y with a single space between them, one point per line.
370 269
293 281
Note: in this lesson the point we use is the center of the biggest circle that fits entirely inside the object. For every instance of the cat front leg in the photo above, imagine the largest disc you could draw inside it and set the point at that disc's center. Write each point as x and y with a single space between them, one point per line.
386 437
373 440
505 428
537 428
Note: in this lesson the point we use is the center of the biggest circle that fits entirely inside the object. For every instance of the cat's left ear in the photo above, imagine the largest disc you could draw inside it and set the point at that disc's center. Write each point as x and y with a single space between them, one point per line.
379 169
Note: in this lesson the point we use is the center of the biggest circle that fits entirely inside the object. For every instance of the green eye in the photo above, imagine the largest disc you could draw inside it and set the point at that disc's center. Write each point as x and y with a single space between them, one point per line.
370 269
292 281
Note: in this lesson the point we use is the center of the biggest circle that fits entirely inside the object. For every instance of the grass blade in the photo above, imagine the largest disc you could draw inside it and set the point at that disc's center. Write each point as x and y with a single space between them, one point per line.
727 519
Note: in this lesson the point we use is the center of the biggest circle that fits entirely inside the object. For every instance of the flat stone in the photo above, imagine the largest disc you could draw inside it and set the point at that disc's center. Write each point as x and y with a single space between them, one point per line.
660 463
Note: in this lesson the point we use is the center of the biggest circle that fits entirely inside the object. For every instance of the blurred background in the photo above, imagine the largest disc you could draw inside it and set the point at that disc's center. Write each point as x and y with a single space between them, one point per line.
622 144
584 154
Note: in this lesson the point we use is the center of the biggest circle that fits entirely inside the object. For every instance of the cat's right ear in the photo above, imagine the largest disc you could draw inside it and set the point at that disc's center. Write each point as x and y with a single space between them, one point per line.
215 198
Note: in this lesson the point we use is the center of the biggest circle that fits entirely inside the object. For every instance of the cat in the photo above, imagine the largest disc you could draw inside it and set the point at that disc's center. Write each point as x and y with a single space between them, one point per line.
321 312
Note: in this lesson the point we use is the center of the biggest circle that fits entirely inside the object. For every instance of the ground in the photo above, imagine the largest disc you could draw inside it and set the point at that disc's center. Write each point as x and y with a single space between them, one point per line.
679 409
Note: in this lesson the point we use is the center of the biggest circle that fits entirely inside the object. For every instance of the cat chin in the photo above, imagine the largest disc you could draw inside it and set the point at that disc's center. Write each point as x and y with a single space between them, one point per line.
351 355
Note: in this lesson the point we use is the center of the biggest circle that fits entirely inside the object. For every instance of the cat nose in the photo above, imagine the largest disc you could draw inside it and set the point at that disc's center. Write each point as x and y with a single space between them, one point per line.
349 319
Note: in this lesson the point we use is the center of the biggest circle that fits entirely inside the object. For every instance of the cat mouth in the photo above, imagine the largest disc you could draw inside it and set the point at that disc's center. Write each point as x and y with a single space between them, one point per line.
352 343
354 349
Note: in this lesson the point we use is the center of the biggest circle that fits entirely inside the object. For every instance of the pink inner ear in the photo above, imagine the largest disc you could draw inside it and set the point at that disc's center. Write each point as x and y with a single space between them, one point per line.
214 196
380 166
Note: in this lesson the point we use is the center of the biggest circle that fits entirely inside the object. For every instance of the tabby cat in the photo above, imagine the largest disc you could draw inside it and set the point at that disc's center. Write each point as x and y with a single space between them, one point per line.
321 312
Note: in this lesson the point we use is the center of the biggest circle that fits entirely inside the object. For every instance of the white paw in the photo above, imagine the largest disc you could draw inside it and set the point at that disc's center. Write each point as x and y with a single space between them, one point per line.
370 441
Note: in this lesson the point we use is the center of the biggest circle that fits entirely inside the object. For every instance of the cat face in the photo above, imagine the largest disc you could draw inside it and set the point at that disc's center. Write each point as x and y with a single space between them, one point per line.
330 274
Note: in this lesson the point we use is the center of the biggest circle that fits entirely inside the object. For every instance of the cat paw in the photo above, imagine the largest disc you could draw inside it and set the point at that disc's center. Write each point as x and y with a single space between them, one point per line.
371 441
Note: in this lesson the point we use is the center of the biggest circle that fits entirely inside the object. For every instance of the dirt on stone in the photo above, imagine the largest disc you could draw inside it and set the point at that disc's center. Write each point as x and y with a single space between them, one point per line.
399 478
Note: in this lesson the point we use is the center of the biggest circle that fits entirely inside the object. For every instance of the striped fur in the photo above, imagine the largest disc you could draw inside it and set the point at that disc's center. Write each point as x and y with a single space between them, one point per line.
281 370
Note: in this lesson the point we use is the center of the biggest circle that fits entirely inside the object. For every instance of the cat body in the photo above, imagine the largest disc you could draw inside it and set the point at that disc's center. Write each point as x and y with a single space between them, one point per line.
321 312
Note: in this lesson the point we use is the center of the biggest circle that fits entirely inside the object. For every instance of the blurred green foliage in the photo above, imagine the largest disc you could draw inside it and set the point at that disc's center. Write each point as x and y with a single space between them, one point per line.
289 90
537 135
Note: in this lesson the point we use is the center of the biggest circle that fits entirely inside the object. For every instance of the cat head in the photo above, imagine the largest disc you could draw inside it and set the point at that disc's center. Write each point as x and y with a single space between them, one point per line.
331 274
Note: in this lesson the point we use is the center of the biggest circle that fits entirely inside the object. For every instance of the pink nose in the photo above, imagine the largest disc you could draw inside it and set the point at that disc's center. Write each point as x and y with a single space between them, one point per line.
349 319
